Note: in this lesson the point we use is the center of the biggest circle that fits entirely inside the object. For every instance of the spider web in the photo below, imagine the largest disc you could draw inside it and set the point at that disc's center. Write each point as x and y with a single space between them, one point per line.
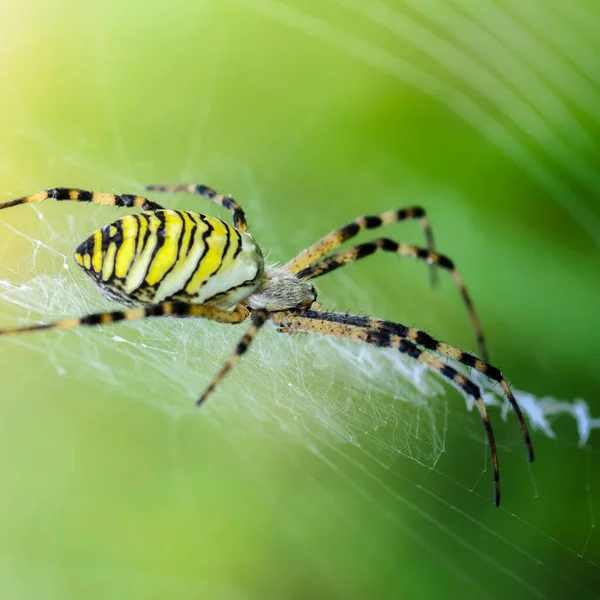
353 428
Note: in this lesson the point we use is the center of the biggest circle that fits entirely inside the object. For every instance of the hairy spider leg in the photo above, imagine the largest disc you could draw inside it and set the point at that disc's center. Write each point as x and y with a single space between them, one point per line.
239 217
76 195
351 327
259 318
337 237
423 339
343 257
172 308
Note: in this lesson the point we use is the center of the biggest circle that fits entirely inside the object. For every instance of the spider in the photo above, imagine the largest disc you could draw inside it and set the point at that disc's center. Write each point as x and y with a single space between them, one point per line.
186 264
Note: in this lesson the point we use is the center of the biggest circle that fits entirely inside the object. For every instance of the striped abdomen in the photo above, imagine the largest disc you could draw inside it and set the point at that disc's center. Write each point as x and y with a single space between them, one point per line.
170 254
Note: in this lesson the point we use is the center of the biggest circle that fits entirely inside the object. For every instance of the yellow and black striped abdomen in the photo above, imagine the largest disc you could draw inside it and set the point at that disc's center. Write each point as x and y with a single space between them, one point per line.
170 254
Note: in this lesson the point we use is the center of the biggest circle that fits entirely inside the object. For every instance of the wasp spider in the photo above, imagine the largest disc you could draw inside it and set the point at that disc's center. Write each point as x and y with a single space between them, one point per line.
186 264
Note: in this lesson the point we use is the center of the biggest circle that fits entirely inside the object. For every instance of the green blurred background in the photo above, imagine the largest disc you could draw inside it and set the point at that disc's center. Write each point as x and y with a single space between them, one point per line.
314 472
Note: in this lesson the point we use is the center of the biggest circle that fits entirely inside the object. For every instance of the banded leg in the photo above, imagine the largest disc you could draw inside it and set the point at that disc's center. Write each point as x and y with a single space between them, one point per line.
359 329
172 308
76 195
259 318
423 339
351 255
337 237
239 218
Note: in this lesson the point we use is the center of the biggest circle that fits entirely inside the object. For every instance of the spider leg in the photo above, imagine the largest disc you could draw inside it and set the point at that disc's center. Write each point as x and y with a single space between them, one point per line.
172 308
77 195
423 339
337 237
259 318
239 218
405 339
343 257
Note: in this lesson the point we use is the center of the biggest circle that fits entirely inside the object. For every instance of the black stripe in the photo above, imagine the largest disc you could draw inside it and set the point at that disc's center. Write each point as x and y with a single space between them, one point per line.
106 240
59 193
227 242
204 190
138 219
424 339
181 237
389 245
160 242
448 371
118 237
363 250
84 196
192 234
342 318
86 247
147 233
128 199
90 320
493 373
471 389
417 212
409 348
205 237
371 222
154 310
467 359
445 262
381 338
239 244
349 230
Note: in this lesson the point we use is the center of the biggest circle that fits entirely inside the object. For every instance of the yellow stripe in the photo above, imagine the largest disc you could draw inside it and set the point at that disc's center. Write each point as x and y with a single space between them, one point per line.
233 245
209 263
100 198
79 259
87 262
37 197
97 255
109 261
142 259
126 253
165 257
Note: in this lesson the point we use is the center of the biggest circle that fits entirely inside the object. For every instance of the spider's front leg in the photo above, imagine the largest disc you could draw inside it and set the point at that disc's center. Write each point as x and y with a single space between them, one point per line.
405 339
351 255
337 237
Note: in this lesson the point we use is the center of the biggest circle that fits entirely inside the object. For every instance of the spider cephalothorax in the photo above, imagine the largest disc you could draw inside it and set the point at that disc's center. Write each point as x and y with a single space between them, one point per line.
186 264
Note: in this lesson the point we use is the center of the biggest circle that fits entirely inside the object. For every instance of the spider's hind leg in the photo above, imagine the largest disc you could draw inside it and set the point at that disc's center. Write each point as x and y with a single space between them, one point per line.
239 218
